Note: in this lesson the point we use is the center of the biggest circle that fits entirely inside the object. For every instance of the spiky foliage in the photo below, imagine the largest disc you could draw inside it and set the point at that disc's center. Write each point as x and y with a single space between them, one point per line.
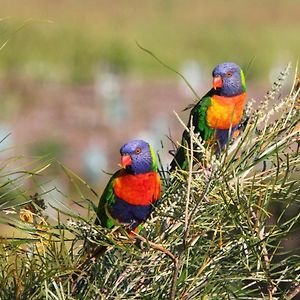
221 231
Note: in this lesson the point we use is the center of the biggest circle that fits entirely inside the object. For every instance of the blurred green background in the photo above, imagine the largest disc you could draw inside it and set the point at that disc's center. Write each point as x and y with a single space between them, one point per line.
84 33
73 82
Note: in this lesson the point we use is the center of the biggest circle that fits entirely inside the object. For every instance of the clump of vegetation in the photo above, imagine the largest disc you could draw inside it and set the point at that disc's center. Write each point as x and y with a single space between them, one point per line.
225 229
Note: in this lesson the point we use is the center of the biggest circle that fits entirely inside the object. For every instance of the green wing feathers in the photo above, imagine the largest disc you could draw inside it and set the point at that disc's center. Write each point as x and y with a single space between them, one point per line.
107 200
199 121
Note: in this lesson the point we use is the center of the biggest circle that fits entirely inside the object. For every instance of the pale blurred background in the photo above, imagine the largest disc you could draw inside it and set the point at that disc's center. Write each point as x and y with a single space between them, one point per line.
74 83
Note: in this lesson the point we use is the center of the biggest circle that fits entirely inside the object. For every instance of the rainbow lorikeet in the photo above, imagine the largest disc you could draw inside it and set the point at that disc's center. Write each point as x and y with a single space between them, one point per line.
217 116
128 198
132 191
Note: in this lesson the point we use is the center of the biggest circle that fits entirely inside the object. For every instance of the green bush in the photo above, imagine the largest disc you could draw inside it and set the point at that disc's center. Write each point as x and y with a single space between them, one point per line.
221 230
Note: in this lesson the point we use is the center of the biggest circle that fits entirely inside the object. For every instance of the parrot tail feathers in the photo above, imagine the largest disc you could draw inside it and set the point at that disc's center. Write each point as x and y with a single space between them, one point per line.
178 161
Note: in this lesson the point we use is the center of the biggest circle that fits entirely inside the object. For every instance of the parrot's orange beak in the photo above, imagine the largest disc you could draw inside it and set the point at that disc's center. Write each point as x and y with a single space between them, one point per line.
126 160
217 82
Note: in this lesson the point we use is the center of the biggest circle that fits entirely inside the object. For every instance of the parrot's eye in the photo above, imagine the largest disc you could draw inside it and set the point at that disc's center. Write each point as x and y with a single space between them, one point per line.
138 150
229 74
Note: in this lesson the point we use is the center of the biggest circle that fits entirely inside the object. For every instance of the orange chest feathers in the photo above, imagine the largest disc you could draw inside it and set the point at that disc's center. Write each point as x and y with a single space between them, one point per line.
225 112
141 189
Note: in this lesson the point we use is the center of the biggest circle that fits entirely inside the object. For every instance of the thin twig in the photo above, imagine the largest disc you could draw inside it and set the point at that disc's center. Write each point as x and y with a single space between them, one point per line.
177 266
260 230
293 292
190 178
157 247
170 68
187 223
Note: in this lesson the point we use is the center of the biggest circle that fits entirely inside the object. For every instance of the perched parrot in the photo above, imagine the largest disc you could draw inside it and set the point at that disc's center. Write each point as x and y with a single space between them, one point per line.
127 200
218 112
132 191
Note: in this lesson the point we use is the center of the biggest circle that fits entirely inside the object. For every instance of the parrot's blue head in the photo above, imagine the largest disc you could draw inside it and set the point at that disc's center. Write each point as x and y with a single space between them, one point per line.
138 157
228 79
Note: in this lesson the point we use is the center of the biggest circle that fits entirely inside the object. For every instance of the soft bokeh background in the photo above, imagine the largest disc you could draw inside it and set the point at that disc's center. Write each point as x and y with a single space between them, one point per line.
73 82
